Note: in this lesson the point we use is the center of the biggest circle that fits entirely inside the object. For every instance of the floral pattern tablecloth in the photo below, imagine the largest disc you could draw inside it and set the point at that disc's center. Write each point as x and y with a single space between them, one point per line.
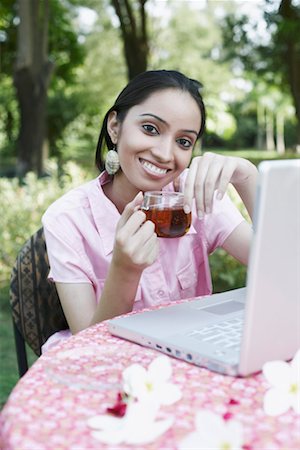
50 406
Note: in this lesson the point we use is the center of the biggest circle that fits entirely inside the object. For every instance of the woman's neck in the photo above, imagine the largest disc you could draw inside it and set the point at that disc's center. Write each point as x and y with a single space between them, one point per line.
120 191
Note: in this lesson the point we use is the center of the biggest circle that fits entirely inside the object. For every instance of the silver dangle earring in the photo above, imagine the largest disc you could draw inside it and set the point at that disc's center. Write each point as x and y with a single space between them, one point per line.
112 161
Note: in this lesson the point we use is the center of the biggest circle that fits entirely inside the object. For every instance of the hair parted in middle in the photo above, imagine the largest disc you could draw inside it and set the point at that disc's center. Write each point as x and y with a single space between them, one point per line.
137 91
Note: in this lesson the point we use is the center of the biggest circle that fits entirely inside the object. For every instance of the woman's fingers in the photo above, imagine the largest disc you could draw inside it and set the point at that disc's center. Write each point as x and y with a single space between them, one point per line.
194 179
131 226
145 246
211 182
225 177
129 209
207 174
135 242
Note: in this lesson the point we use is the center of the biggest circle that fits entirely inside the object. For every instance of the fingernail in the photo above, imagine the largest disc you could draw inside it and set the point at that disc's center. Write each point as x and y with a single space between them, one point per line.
219 195
200 214
186 209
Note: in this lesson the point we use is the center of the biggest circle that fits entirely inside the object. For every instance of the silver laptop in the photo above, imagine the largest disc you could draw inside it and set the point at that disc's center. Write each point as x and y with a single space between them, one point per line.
237 331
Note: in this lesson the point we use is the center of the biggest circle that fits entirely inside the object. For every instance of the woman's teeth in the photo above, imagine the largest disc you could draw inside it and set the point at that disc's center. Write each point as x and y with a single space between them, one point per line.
151 168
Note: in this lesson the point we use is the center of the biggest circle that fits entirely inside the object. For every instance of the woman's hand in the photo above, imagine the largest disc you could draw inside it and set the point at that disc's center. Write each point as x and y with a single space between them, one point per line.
136 243
212 172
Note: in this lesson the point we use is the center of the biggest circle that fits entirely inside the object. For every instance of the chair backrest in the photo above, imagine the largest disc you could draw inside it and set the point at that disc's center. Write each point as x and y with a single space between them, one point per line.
36 308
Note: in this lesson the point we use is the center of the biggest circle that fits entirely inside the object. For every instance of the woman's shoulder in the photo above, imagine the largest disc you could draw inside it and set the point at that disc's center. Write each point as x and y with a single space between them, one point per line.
75 199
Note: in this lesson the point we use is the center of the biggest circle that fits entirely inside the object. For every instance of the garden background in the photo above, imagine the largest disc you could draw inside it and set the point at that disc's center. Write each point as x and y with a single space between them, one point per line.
62 62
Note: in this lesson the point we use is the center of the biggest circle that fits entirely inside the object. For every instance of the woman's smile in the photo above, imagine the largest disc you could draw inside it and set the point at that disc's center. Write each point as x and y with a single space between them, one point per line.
152 168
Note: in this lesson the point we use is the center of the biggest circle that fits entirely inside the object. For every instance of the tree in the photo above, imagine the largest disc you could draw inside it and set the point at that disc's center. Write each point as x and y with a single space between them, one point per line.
52 102
33 71
133 24
287 43
189 42
277 60
102 75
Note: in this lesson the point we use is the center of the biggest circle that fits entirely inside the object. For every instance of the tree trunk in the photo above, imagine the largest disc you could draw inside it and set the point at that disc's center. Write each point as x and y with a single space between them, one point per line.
133 24
280 144
31 78
290 36
260 142
270 131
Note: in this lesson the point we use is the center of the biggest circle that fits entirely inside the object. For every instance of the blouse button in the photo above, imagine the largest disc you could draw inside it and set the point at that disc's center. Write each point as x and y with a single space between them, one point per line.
161 293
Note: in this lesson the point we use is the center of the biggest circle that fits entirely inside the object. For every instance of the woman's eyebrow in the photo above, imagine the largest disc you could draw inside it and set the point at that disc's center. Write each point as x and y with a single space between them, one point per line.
163 121
155 117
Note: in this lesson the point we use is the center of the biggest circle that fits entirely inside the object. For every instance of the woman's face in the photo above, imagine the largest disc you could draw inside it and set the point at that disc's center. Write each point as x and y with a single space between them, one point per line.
156 139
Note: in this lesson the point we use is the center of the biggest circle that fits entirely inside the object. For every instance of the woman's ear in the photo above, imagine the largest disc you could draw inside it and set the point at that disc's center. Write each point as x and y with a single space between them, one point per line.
113 126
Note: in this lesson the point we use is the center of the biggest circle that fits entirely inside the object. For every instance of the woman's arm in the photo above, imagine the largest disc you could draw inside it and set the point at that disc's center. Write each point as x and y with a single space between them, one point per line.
81 308
238 242
135 248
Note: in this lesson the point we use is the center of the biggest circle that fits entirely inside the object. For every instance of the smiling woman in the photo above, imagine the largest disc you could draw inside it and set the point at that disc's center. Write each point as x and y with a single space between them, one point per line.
105 256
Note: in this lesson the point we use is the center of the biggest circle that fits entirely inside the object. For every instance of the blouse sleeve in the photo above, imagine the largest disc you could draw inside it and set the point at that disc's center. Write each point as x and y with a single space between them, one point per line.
224 218
68 260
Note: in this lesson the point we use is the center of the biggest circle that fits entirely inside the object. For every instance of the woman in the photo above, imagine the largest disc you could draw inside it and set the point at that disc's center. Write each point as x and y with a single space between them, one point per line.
105 258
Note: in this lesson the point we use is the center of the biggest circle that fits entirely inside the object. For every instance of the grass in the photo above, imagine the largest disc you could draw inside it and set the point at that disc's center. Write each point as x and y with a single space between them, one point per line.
9 369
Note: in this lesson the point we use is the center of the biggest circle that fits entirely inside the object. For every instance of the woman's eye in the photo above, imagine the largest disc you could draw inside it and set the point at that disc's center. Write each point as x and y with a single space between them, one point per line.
150 129
184 143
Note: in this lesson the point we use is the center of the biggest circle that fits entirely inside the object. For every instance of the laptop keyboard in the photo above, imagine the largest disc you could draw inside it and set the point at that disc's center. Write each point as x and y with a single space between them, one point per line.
225 335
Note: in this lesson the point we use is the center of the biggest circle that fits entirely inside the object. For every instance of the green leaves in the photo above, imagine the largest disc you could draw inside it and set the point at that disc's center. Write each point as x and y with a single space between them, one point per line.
22 207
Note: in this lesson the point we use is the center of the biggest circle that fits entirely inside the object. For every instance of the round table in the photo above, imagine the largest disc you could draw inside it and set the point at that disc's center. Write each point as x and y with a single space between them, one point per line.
50 406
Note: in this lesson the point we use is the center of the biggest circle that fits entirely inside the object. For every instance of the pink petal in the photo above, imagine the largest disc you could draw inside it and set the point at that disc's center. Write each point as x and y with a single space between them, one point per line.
228 415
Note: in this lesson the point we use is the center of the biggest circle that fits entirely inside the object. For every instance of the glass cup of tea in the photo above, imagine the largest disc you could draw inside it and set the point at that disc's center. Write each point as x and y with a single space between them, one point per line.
165 210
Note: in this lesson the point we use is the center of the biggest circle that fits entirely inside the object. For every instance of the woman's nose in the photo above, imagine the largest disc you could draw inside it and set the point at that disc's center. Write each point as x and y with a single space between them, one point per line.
164 152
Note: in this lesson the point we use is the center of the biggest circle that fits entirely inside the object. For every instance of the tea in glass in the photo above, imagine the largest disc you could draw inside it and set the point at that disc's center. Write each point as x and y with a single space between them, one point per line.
165 210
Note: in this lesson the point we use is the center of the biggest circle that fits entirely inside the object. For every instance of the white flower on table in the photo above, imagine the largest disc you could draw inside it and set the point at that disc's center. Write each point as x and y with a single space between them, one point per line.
134 419
138 426
213 432
285 386
151 385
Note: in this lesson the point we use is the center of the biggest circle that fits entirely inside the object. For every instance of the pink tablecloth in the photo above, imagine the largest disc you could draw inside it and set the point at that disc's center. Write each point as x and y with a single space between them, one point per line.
50 406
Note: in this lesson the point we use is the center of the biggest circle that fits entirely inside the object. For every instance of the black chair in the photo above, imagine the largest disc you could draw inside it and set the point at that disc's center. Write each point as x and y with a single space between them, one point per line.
36 308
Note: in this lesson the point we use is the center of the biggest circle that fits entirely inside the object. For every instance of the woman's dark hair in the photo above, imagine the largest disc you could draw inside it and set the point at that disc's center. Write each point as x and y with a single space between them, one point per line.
138 90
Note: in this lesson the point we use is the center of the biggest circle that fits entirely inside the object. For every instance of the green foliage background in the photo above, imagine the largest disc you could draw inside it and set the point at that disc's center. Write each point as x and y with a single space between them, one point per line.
23 206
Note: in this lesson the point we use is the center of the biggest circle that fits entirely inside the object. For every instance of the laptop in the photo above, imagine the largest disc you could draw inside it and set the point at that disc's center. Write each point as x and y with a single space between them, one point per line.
237 331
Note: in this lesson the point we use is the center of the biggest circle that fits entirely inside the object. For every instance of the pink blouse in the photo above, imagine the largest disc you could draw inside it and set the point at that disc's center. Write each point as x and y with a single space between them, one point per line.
80 229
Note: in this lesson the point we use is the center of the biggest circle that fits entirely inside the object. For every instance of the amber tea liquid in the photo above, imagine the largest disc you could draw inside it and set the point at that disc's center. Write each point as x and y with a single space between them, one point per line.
169 221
